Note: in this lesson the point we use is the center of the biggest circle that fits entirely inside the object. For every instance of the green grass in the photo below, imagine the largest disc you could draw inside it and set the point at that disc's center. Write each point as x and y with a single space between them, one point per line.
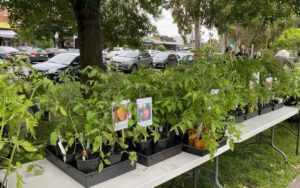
253 166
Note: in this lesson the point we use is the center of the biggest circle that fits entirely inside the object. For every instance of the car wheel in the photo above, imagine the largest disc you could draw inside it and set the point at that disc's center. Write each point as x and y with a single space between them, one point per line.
151 66
134 68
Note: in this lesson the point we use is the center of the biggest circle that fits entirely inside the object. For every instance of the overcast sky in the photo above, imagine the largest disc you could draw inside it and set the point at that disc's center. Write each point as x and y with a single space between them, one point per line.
166 26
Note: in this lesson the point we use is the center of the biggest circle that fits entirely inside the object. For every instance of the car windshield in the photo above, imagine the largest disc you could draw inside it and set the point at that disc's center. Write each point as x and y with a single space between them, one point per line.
161 55
129 54
64 59
7 49
26 49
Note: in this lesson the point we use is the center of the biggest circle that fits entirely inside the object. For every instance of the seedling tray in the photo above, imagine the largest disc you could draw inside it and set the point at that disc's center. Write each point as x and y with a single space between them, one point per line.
160 156
251 115
240 119
277 106
93 178
200 152
265 110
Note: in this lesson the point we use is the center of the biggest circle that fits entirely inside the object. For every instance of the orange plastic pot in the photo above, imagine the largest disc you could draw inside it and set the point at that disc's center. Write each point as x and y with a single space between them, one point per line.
200 144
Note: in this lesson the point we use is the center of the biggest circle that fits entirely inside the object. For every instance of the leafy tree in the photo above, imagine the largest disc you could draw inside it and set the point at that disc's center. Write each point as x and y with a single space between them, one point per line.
221 14
161 48
289 39
96 22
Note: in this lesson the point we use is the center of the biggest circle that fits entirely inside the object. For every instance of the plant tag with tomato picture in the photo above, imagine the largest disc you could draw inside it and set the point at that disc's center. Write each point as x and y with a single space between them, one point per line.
120 115
144 111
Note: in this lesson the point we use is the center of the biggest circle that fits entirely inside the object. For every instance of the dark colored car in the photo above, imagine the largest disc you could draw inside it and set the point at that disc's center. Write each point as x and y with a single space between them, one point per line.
35 54
58 63
132 60
54 51
8 53
164 59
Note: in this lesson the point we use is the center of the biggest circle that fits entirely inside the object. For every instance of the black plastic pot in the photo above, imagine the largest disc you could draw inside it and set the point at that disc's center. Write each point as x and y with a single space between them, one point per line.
251 114
277 106
71 153
88 165
265 110
160 145
145 147
240 118
171 139
116 153
93 178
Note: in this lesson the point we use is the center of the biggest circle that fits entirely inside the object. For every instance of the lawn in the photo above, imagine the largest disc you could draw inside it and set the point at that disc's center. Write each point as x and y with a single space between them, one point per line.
253 166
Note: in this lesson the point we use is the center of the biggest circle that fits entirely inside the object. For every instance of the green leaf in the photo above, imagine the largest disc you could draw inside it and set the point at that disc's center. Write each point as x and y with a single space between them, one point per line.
107 162
101 166
38 172
30 168
53 138
2 145
62 111
19 165
27 146
97 143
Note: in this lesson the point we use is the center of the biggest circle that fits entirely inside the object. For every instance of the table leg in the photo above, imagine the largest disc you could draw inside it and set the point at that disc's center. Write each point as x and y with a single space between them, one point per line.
218 185
298 134
195 178
275 147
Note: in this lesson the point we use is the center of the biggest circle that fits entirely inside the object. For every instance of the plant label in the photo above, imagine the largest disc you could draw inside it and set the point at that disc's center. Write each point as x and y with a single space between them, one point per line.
269 82
144 107
176 131
214 91
256 77
120 115
61 147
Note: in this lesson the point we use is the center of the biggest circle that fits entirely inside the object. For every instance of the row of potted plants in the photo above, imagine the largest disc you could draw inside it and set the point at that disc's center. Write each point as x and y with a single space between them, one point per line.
191 104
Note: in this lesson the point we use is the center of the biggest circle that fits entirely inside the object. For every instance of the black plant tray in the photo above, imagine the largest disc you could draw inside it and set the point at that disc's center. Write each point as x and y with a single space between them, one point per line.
277 106
265 110
160 156
93 178
240 119
200 152
251 115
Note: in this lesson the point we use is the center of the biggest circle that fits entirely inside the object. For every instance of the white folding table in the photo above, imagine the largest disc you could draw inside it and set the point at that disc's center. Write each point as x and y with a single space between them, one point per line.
141 177
259 124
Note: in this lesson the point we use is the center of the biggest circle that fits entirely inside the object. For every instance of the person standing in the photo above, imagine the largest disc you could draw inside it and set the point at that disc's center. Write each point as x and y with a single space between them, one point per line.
242 52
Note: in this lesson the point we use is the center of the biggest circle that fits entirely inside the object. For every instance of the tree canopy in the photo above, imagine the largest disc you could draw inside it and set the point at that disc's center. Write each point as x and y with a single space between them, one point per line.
289 39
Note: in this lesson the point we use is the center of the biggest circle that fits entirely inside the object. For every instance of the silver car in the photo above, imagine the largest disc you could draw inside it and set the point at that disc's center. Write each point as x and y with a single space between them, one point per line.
132 60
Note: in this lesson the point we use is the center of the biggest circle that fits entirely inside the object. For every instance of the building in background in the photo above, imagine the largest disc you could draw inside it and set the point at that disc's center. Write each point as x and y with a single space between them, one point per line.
7 36
170 43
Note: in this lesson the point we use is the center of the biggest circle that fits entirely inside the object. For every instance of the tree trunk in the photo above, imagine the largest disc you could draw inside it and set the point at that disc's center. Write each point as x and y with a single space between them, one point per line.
198 34
225 41
88 18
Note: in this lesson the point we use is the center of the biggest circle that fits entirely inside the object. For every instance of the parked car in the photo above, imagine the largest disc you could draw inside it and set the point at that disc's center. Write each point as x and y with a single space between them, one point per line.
115 52
183 54
153 52
35 54
8 53
57 64
54 51
187 59
164 59
132 60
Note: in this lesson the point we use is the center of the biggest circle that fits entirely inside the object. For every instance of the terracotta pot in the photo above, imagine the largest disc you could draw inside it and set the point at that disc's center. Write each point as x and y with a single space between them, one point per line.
200 144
